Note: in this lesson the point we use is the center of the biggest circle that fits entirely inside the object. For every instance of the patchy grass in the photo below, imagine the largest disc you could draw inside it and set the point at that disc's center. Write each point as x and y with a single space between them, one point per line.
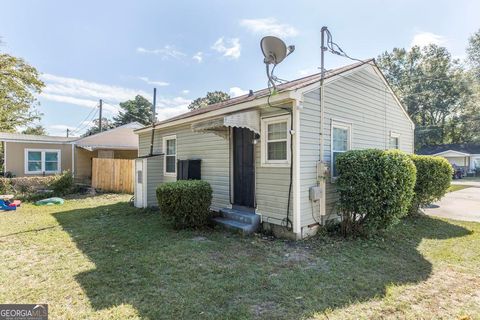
457 187
99 258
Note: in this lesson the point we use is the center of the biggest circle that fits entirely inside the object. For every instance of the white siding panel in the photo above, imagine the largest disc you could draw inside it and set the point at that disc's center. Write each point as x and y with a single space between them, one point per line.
362 100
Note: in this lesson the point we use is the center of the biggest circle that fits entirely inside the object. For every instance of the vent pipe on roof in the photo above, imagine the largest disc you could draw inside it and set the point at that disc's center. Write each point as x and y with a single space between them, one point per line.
154 119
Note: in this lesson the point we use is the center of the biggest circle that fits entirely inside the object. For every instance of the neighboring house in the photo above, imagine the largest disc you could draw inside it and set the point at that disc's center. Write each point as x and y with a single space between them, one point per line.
463 155
261 153
32 155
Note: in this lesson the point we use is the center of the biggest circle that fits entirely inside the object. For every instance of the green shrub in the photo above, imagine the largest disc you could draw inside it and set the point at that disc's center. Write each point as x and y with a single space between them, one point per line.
186 202
434 175
62 184
375 188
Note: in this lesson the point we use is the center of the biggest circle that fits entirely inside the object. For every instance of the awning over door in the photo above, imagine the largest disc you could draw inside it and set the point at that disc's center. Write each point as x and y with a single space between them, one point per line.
219 126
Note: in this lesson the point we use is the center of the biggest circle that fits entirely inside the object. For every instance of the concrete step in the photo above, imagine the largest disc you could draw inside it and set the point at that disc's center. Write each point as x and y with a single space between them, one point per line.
240 216
234 219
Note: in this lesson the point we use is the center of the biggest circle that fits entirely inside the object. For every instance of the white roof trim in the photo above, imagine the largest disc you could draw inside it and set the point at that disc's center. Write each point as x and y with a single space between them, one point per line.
282 97
453 151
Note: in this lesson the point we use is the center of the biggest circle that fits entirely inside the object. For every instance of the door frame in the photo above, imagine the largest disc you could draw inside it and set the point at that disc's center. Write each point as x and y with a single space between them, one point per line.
231 171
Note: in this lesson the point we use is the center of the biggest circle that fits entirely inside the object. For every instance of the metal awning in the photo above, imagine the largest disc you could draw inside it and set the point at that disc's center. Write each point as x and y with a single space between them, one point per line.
219 126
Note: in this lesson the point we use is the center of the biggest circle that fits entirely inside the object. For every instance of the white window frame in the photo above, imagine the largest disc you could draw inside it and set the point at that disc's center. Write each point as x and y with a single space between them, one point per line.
165 173
394 135
264 141
339 125
42 161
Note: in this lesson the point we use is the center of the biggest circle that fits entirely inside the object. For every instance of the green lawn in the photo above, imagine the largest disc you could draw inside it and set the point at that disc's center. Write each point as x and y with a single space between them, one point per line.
99 258
457 187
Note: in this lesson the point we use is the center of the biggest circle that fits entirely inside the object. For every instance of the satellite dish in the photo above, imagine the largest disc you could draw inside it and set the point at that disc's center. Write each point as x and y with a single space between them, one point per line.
274 50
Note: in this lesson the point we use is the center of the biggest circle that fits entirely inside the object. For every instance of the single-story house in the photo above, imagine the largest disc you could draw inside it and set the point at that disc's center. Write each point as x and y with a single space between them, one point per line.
33 155
271 157
463 155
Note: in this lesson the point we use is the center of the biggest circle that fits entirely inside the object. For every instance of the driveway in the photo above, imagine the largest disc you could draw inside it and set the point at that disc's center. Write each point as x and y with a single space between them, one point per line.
459 205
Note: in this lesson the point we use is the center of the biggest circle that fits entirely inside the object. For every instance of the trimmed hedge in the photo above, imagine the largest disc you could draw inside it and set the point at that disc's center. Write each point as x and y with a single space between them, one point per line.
186 202
434 175
375 188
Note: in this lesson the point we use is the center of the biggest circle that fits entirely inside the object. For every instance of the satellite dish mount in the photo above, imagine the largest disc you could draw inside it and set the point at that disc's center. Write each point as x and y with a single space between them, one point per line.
275 51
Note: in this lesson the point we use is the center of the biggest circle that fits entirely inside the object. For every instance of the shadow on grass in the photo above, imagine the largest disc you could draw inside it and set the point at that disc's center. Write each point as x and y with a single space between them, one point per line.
168 274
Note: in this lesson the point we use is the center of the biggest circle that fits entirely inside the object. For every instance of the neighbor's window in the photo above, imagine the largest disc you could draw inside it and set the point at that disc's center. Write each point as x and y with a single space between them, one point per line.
170 150
340 143
39 161
393 141
276 141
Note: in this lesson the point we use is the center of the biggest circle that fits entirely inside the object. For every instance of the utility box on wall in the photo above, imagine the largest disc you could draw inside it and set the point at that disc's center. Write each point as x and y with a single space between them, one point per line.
189 169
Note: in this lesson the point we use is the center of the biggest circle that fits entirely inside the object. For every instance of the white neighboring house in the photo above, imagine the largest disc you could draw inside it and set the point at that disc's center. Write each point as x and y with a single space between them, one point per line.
463 155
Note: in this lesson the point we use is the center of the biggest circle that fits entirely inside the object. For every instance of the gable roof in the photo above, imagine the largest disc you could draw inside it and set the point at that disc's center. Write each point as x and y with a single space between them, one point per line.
469 148
20 137
284 87
121 137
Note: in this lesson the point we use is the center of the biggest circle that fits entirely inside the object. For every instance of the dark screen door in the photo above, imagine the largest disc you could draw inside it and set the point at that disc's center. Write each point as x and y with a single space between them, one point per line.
243 168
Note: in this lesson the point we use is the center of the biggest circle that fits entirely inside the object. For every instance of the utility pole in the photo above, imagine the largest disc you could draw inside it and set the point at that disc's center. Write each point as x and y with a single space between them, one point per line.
100 116
68 131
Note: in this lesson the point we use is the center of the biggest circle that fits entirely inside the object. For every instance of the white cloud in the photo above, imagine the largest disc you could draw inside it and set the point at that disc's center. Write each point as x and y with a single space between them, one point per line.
185 91
86 94
269 26
425 38
308 71
236 92
229 48
198 57
153 82
166 52
167 108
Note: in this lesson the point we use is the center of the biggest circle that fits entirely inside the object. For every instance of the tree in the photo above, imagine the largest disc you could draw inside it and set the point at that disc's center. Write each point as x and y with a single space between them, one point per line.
431 85
37 130
210 98
138 109
18 83
106 125
473 53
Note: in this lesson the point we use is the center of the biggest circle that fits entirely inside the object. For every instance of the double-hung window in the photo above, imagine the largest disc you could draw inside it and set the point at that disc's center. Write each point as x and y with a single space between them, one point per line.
170 151
341 142
394 141
39 161
276 141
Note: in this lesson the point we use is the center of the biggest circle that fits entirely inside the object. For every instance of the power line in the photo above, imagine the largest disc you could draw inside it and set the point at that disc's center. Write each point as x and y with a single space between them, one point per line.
85 123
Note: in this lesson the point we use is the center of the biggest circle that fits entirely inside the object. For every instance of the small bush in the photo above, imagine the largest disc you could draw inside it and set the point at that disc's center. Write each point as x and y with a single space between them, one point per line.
186 202
62 184
6 186
434 175
375 188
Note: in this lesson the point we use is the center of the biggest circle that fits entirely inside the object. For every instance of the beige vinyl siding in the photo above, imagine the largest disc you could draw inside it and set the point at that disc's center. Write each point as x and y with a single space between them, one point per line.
15 160
362 100
154 167
309 155
210 148
272 183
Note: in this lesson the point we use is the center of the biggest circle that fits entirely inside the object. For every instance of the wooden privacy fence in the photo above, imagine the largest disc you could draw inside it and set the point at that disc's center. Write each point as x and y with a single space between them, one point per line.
116 175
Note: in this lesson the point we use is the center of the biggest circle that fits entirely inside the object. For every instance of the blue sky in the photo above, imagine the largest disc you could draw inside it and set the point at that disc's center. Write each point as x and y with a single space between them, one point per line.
87 50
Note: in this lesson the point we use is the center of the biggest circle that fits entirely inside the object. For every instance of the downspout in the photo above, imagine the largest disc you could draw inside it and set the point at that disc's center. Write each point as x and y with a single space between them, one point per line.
73 160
